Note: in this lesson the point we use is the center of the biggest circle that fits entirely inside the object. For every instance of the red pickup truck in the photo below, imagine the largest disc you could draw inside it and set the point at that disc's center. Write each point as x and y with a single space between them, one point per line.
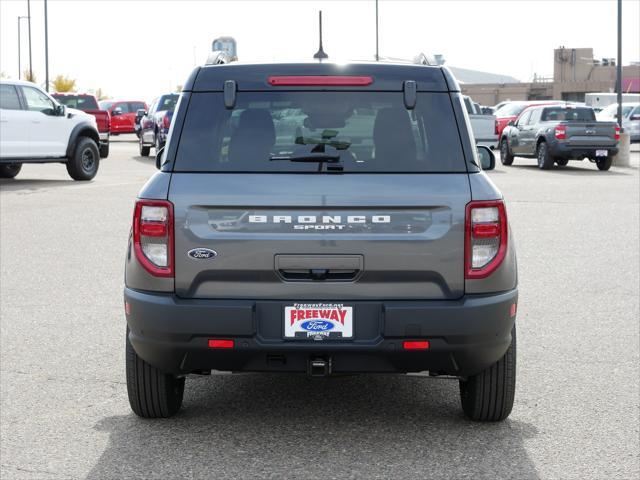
89 104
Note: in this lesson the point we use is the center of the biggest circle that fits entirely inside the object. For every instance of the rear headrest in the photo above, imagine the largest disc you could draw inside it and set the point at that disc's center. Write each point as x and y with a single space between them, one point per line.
255 135
393 135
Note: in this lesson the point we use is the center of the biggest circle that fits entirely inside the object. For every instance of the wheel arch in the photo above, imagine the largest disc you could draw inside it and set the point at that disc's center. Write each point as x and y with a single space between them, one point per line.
81 130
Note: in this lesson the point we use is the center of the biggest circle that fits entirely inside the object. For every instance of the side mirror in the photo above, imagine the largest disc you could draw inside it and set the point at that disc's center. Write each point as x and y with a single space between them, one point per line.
141 112
116 111
159 154
487 158
60 111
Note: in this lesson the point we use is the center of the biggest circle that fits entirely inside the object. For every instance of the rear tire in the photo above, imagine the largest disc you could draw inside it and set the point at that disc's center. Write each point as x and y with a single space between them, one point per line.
506 158
562 162
10 170
604 164
545 161
488 396
85 160
152 393
104 151
144 150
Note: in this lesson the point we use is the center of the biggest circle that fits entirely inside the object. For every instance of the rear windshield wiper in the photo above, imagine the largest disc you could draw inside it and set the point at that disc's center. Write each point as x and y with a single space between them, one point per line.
312 157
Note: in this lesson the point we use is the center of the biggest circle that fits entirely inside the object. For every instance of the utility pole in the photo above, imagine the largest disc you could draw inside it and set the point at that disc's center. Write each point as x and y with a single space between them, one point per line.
377 55
30 62
619 69
19 42
46 47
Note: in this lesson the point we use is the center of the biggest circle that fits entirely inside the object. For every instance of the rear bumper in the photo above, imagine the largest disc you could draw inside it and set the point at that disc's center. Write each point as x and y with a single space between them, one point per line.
465 335
579 152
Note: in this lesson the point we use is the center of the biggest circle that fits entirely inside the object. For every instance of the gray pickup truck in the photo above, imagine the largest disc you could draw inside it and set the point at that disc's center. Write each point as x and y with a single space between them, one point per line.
557 134
321 219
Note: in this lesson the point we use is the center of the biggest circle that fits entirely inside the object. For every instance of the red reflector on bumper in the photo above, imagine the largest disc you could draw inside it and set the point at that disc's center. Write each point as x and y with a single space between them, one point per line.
220 343
415 345
513 310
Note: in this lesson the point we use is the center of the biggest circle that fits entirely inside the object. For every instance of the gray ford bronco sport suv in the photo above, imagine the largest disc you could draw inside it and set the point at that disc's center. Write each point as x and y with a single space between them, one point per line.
321 219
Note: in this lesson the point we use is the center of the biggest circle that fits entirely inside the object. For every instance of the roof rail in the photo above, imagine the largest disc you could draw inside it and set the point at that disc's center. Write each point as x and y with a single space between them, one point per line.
218 57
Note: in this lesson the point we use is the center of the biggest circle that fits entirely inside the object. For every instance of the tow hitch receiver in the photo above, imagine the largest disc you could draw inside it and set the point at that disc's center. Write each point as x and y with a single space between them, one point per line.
319 367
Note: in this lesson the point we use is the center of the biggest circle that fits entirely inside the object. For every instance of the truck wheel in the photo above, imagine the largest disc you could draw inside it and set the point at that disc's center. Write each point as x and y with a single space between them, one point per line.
505 155
604 164
545 161
10 170
85 160
152 393
104 150
488 395
144 151
562 162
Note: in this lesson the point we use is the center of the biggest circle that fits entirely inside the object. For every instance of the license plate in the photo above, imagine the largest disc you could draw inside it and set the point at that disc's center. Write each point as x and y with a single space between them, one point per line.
601 153
318 321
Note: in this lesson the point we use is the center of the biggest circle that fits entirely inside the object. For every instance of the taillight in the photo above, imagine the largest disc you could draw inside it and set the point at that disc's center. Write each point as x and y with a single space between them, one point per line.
496 128
616 135
153 236
485 238
561 132
166 122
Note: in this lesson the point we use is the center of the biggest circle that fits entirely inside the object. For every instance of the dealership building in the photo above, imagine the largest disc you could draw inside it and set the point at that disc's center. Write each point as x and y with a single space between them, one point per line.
575 73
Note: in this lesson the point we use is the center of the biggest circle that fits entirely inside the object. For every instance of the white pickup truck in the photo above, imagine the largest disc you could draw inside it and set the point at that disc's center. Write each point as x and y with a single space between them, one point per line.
483 126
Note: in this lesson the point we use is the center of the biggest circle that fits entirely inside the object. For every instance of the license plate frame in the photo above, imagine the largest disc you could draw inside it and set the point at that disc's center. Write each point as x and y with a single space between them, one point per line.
318 321
602 153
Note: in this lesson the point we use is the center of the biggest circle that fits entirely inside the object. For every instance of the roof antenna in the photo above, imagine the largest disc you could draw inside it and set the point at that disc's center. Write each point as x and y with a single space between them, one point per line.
320 54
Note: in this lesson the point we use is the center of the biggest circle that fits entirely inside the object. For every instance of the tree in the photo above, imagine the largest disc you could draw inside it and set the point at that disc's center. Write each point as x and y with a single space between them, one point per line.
63 84
3 75
100 95
29 76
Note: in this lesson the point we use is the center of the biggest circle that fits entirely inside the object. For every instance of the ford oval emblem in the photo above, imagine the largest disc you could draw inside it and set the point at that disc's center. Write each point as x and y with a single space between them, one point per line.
317 326
202 253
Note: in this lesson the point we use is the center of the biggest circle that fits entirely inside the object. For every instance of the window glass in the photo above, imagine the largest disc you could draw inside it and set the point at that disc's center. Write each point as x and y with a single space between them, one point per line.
167 102
123 106
37 101
524 119
9 97
135 106
81 102
368 131
564 114
105 105
535 116
511 110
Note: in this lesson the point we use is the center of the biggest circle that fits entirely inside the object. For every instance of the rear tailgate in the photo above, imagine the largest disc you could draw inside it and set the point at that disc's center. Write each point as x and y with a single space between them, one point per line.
320 237
590 134
102 120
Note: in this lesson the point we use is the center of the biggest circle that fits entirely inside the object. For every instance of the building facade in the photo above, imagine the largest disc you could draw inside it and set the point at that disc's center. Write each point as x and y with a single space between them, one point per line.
575 73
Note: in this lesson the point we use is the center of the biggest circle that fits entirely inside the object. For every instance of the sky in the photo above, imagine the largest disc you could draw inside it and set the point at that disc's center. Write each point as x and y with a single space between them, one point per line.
138 49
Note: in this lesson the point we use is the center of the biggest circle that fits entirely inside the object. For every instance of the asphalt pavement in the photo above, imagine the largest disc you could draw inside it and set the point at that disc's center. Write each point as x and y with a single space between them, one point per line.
64 410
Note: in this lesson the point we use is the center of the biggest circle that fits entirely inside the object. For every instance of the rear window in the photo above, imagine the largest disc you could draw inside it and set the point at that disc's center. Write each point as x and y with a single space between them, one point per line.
167 102
80 102
105 105
562 114
369 131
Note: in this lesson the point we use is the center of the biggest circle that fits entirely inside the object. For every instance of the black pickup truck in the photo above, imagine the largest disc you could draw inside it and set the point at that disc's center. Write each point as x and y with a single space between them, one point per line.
557 134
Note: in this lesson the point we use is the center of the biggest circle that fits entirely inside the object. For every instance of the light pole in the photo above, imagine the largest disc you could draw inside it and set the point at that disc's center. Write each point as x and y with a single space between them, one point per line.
619 69
19 37
377 56
29 23
46 48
